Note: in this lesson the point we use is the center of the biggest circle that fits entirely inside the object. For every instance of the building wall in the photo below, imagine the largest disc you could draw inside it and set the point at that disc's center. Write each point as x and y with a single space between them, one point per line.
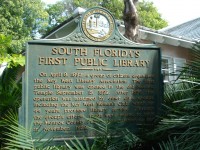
172 51
175 51
173 59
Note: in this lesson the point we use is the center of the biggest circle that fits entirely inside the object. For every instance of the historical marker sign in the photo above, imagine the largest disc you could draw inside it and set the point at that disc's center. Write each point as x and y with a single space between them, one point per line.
66 81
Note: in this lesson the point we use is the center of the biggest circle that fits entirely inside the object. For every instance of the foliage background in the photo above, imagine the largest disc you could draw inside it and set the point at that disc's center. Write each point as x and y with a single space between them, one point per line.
148 13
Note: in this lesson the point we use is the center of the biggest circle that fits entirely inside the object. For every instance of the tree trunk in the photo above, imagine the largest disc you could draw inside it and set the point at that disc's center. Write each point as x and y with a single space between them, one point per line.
130 18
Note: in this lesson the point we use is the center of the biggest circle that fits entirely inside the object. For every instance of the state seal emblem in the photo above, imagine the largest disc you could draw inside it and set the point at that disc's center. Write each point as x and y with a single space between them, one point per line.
98 24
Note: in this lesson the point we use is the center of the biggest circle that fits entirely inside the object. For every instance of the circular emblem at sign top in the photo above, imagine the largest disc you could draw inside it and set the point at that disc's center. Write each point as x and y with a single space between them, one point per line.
98 24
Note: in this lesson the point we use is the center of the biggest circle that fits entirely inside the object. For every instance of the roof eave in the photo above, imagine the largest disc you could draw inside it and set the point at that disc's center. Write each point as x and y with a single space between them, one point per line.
165 39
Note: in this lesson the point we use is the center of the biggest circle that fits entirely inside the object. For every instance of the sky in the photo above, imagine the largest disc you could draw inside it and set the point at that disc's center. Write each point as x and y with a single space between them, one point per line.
178 11
173 11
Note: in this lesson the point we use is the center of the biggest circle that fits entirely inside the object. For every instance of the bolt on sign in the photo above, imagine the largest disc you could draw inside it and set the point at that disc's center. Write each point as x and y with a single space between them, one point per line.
94 71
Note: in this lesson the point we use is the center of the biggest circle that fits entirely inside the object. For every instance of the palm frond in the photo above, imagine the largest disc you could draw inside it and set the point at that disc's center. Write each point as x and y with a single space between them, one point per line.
17 137
168 145
181 121
10 91
76 144
10 95
99 125
108 136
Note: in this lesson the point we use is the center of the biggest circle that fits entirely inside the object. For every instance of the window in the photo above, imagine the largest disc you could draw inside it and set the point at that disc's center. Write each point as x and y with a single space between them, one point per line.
167 68
179 63
171 68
